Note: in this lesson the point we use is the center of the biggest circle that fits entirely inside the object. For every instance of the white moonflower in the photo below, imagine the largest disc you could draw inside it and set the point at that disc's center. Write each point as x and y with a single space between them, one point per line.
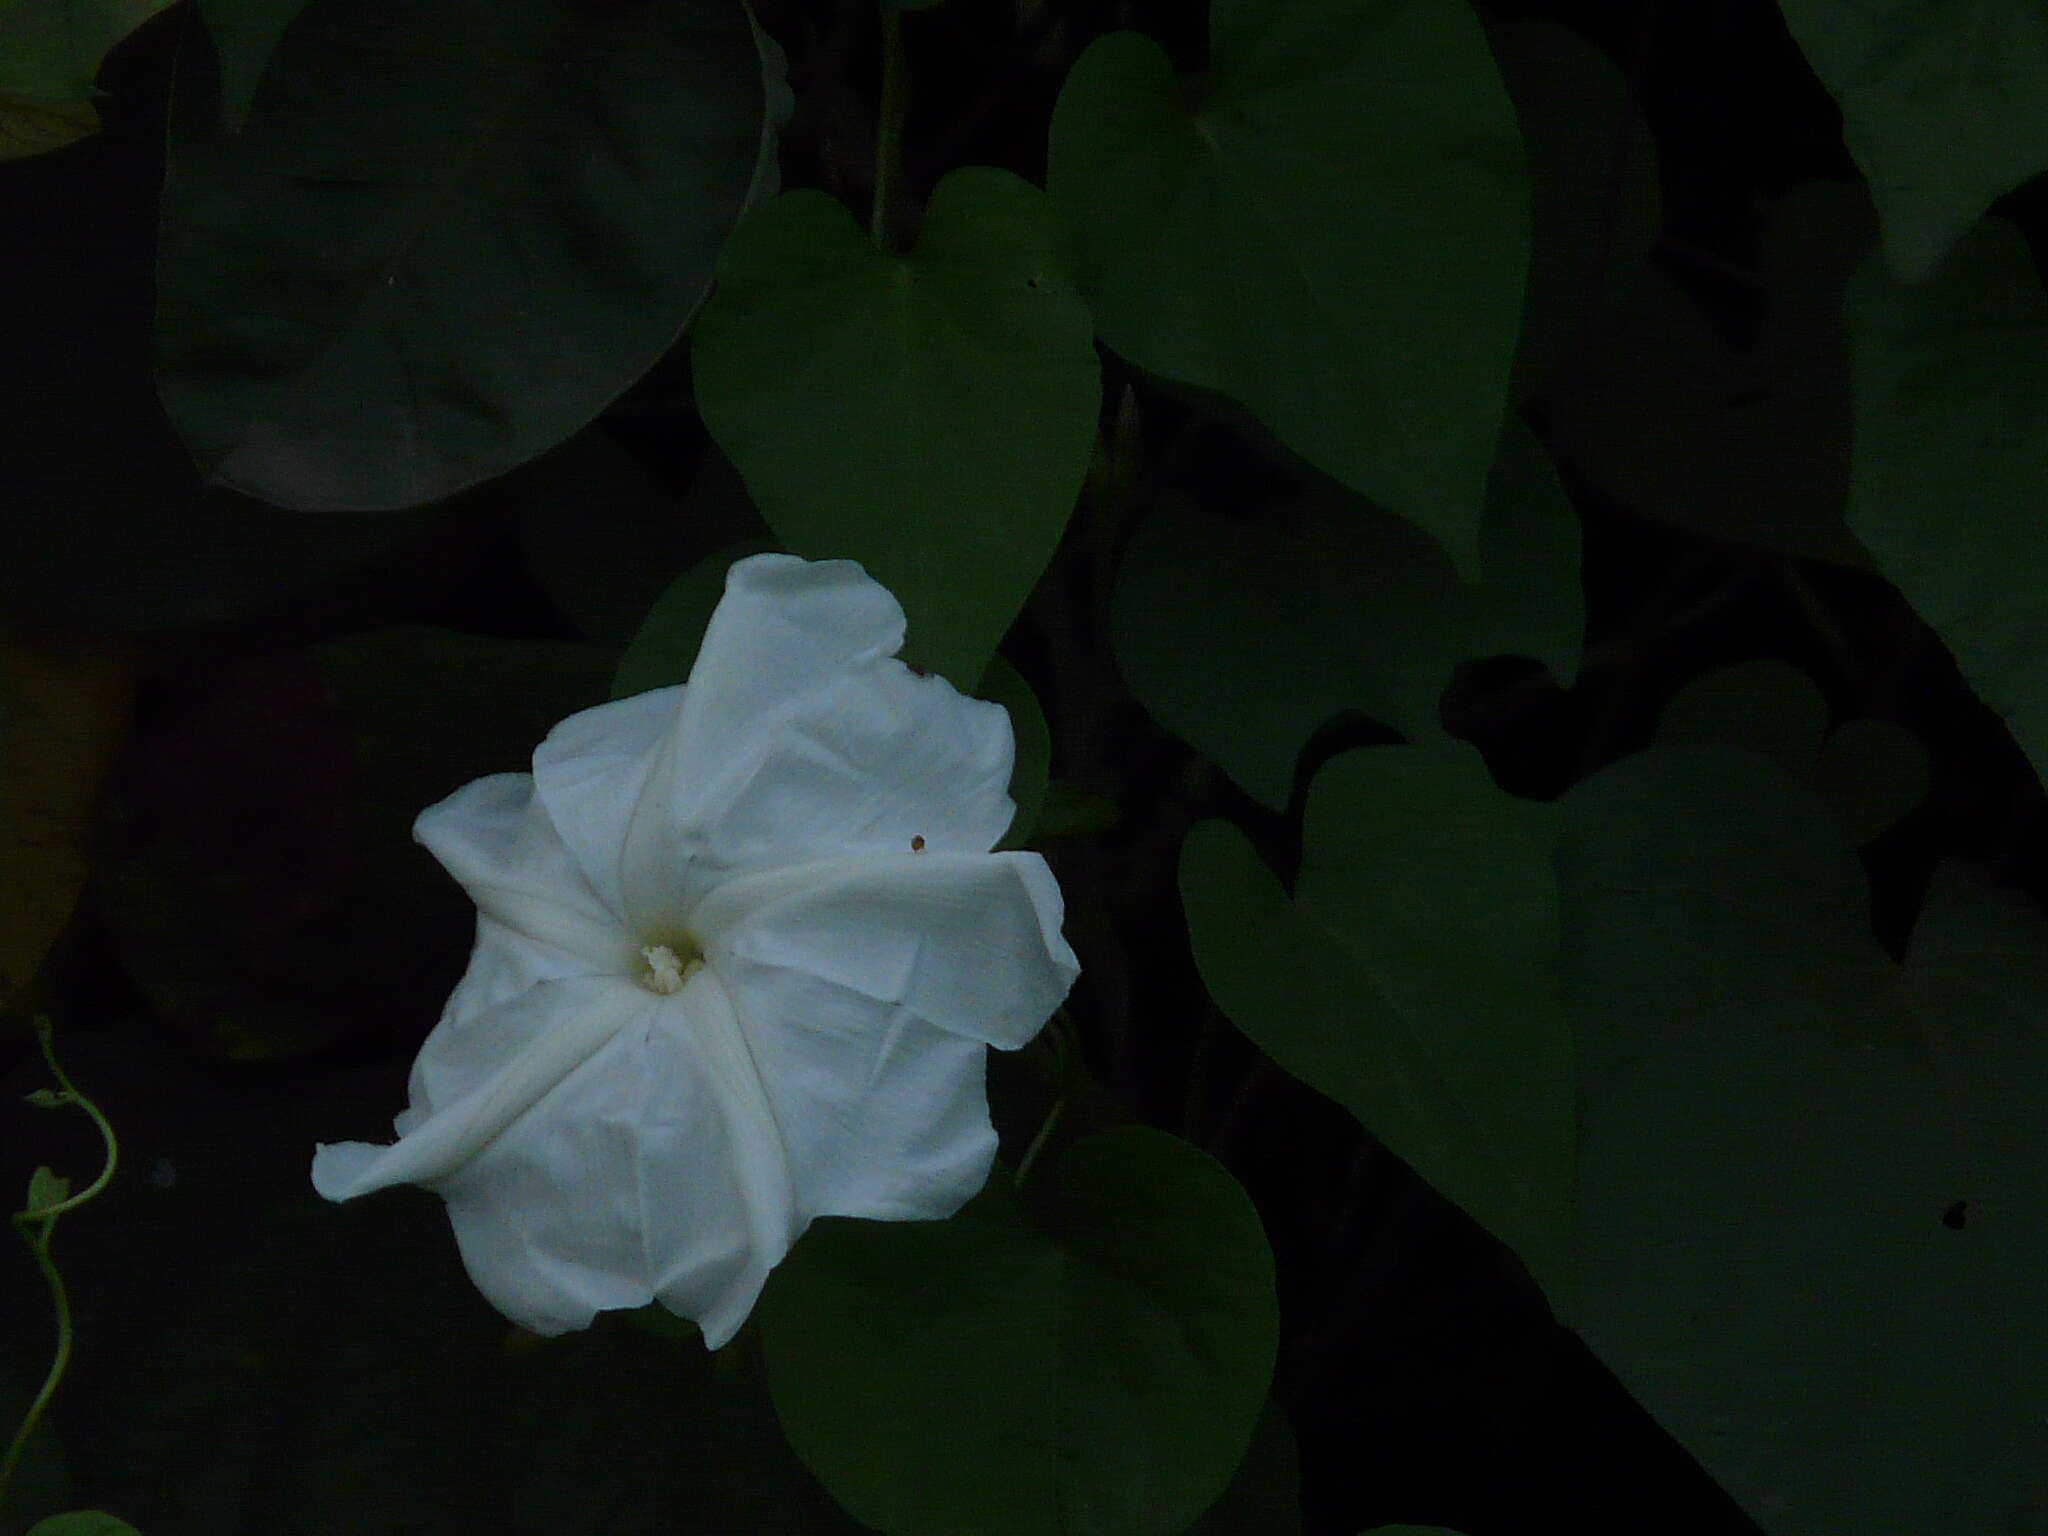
741 946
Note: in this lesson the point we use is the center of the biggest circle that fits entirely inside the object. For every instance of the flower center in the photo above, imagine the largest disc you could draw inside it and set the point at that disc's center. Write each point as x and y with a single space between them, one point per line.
669 966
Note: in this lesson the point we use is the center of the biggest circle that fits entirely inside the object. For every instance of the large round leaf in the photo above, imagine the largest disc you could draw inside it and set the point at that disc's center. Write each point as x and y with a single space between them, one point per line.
1951 448
928 415
1944 105
1413 980
444 236
1807 1180
1094 1371
1331 228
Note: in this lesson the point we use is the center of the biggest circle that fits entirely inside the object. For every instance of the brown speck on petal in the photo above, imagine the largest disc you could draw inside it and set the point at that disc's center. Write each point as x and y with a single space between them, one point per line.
917 844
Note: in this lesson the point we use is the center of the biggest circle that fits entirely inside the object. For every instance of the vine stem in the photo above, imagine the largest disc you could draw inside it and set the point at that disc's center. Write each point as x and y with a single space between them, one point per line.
36 1228
60 1304
889 130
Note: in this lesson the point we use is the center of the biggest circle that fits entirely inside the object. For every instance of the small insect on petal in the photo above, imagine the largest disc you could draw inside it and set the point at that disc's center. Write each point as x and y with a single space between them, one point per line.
917 843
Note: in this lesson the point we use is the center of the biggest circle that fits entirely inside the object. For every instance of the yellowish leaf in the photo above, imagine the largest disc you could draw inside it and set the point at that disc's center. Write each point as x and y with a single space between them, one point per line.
36 127
63 704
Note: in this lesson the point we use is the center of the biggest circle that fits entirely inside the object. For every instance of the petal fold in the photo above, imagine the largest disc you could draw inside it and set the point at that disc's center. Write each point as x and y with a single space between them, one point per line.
498 841
478 1077
798 736
884 1116
970 945
643 1177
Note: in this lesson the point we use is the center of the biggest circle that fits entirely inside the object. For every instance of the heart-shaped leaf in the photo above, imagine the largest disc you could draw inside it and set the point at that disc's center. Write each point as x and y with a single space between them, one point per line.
1094 1371
1412 980
928 415
1330 227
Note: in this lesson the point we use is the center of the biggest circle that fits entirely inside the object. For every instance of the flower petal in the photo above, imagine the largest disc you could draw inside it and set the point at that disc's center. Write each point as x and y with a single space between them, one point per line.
496 838
798 736
591 772
648 1174
477 1077
968 944
884 1116
875 760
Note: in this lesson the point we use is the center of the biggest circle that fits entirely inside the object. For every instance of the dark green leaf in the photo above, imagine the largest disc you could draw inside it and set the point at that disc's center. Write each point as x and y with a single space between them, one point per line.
1331 228
665 646
1773 1131
1413 981
1872 772
1095 1372
1529 600
1747 441
50 50
928 415
1593 184
1951 440
1244 640
445 237
244 33
1944 105
1768 707
1264 1498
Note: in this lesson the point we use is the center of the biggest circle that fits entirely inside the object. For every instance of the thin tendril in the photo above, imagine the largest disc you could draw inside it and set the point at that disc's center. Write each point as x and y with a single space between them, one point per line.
1052 1118
36 1228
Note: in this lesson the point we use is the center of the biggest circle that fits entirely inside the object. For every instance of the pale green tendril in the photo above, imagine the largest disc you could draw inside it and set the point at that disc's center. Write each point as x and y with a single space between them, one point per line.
1061 1036
49 1196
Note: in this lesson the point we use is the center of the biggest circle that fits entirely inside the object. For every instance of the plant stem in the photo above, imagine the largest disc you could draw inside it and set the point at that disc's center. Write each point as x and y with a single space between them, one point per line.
889 130
36 1228
1052 1118
60 1303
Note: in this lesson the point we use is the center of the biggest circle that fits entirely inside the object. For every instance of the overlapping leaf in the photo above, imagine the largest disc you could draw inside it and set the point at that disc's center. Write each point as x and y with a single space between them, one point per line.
1806 1177
1944 105
1950 490
928 415
1595 203
1330 227
1738 438
1094 1371
1244 640
1412 979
